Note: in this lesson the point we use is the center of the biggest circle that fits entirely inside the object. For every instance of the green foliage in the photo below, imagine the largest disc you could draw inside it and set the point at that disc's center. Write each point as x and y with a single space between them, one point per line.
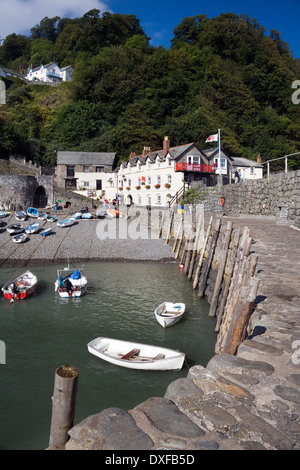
220 73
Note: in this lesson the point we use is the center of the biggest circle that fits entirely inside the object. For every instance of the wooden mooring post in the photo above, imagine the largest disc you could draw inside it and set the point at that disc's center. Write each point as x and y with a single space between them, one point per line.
63 405
226 277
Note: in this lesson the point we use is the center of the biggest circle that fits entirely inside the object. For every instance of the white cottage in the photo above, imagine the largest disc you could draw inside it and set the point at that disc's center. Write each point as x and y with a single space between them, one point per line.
50 73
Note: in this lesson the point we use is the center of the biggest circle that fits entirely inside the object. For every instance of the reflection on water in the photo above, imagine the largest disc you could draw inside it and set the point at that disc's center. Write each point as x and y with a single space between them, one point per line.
44 332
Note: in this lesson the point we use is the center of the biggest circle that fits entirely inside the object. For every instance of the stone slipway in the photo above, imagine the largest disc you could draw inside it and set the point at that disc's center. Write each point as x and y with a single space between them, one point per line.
97 239
250 401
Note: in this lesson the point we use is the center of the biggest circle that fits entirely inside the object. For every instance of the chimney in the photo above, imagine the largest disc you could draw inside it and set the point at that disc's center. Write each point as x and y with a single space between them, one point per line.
132 155
166 145
146 150
258 159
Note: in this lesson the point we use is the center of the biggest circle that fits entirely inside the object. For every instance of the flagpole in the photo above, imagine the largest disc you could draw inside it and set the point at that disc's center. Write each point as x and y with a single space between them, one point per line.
219 140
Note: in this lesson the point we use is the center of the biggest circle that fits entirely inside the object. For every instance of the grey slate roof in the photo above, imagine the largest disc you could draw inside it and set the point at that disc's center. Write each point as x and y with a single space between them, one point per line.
245 162
86 158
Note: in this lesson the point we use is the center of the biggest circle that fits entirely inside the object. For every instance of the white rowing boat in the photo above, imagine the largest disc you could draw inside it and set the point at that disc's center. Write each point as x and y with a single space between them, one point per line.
136 355
168 314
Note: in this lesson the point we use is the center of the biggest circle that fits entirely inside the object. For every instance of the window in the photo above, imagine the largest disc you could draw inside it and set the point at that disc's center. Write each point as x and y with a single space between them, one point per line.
139 181
86 168
149 165
169 179
139 166
129 183
193 159
223 162
252 170
169 161
139 200
158 163
149 180
86 184
158 199
158 179
70 171
99 169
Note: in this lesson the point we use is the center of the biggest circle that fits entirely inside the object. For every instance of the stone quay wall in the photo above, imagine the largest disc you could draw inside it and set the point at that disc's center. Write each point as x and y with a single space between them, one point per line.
277 196
17 191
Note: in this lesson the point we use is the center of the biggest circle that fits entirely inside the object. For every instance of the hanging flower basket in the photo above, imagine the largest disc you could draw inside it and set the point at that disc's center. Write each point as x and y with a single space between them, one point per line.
121 188
147 186
128 188
157 186
167 185
137 187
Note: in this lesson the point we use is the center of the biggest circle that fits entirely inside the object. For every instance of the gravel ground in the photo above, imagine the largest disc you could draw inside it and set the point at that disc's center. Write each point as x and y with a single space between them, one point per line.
96 239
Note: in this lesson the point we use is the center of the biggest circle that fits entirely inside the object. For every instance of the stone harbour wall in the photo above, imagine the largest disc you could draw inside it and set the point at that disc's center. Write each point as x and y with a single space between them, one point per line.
267 197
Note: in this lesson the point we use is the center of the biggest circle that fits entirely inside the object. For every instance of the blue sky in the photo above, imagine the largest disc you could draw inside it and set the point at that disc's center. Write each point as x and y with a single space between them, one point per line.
158 17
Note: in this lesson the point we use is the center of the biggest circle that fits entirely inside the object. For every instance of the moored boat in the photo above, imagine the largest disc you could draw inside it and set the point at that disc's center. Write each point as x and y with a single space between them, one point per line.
15 228
86 215
20 287
19 238
51 218
32 212
21 215
66 222
46 231
168 313
70 282
33 228
42 216
4 213
136 355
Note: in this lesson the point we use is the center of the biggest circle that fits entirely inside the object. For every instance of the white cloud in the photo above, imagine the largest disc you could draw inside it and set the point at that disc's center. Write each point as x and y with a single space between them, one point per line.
19 16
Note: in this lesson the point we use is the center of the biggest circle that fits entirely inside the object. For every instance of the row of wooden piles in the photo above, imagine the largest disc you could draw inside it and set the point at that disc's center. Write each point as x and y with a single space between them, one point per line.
222 268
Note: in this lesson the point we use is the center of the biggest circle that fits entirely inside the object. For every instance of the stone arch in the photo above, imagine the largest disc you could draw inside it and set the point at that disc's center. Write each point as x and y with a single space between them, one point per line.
40 198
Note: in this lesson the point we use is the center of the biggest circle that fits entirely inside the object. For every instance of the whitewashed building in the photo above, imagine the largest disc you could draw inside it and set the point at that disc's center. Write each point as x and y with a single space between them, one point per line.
50 73
154 178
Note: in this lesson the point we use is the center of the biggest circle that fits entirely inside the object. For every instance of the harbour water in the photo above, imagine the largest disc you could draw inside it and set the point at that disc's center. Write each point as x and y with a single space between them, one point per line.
44 332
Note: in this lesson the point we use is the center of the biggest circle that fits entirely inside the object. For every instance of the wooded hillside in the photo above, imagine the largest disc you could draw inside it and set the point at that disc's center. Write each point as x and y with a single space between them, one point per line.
221 73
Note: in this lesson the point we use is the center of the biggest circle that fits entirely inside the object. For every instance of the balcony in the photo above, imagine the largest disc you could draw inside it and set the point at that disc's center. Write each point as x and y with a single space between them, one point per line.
195 167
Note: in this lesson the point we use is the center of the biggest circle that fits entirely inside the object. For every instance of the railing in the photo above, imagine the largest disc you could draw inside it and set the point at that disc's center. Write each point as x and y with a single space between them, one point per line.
179 193
195 167
285 158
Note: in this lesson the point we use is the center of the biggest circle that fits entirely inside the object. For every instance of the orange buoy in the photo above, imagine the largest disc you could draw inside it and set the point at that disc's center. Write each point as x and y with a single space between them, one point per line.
222 201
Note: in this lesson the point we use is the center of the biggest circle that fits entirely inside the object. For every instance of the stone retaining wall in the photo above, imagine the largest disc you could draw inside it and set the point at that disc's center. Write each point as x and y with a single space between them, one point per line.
260 197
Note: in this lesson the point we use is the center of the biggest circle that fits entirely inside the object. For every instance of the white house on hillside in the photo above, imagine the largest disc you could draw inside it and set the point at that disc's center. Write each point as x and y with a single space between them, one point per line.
50 73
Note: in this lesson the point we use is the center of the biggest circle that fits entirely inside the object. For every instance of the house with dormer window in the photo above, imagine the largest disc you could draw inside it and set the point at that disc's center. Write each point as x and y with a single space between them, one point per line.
50 73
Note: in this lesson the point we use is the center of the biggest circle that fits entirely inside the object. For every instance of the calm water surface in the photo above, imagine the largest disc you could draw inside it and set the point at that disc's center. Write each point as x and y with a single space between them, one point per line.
44 332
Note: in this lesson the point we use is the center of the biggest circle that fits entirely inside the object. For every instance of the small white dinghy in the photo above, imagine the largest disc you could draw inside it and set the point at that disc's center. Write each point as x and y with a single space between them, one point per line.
15 228
167 313
135 355
19 238
66 222
20 215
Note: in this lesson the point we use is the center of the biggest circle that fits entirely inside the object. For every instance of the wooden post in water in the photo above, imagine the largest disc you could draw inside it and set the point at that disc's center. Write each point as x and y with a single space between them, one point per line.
202 282
219 279
196 247
63 405
170 227
197 274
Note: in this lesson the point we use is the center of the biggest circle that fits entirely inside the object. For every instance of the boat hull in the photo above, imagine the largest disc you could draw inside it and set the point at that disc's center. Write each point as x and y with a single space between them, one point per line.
32 228
168 314
32 212
21 215
77 292
148 358
19 238
25 285
15 228
66 223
